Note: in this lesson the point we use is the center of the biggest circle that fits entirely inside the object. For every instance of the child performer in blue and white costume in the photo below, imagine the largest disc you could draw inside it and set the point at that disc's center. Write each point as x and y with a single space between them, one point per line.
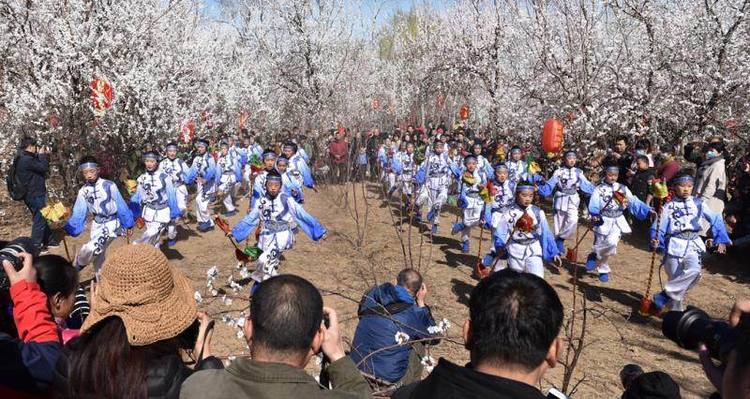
483 165
516 165
230 172
259 185
565 183
607 205
435 175
154 201
111 215
405 172
471 183
677 236
177 169
298 167
289 184
279 216
523 235
249 150
390 167
203 172
503 196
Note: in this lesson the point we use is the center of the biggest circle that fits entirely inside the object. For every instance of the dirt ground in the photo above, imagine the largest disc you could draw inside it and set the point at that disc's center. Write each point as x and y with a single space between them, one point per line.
343 270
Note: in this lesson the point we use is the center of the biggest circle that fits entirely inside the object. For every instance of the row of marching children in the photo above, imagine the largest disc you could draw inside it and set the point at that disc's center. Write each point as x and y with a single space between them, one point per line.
501 199
159 200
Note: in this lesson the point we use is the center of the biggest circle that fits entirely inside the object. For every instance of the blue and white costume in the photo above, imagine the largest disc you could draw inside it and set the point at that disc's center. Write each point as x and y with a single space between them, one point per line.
434 176
516 170
471 203
177 169
155 201
299 169
680 242
246 154
111 216
484 167
405 172
565 183
526 251
503 196
390 167
611 224
230 172
203 171
279 218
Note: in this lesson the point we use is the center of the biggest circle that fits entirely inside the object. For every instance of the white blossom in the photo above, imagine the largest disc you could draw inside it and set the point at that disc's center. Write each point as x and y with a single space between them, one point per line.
401 338
429 363
198 297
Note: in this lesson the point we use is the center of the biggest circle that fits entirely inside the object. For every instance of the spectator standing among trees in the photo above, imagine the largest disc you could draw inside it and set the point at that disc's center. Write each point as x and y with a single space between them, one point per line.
711 180
339 152
32 167
620 156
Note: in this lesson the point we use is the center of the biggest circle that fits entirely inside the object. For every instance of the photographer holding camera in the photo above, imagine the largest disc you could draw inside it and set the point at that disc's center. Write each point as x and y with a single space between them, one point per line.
27 363
732 379
31 167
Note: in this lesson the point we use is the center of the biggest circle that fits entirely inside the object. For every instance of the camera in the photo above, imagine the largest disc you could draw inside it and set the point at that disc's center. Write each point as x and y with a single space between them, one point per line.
691 327
9 251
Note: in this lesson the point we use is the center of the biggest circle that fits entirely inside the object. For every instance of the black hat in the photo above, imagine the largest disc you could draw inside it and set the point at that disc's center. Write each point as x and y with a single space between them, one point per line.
653 385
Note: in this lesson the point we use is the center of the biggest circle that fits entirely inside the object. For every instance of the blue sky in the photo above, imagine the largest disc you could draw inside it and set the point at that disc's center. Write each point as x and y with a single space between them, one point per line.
369 7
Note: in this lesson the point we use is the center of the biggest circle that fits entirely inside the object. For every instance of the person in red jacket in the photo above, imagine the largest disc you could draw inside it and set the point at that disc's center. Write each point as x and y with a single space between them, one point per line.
27 363
339 151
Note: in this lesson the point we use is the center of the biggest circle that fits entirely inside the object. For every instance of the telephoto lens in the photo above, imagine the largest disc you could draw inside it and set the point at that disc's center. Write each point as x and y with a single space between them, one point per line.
10 252
690 328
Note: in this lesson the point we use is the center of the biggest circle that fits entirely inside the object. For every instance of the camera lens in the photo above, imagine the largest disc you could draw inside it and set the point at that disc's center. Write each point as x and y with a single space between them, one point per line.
692 327
10 253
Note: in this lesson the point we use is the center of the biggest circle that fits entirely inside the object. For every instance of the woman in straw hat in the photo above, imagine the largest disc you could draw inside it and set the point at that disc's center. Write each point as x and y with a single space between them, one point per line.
144 335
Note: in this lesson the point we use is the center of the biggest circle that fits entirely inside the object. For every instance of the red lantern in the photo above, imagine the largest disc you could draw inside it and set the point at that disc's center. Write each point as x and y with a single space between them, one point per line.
187 131
375 103
464 112
101 95
552 136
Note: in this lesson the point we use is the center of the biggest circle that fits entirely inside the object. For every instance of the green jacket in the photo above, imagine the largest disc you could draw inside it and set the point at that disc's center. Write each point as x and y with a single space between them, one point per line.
246 378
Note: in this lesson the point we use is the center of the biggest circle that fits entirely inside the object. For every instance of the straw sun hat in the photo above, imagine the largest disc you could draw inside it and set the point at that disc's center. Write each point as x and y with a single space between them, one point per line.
153 299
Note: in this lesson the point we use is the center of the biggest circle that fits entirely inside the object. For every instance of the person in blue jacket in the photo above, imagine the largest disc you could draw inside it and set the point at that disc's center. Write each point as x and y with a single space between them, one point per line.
677 237
394 316
111 216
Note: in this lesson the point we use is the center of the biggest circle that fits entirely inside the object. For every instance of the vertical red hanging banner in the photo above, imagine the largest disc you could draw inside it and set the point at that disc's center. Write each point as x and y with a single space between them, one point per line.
102 95
464 112
187 131
552 136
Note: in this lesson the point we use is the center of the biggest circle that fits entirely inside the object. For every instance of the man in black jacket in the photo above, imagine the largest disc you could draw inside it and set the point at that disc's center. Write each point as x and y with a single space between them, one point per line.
32 169
512 334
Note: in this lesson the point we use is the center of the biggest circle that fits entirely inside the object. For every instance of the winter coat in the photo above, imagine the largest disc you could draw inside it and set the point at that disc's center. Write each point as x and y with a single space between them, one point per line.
451 381
376 330
27 363
32 172
711 183
247 378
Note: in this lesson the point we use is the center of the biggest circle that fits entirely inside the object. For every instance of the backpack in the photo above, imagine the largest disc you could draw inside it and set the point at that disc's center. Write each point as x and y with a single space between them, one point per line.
16 189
